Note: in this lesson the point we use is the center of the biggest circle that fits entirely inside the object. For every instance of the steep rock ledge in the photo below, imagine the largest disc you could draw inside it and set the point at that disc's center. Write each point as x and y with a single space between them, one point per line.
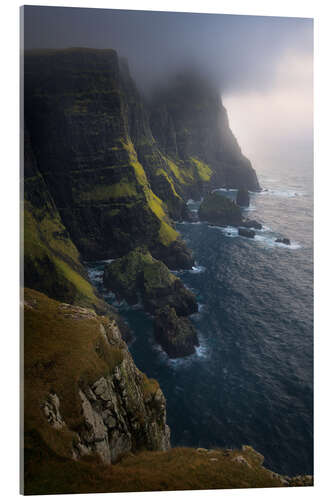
191 127
51 260
78 111
83 393
222 211
117 168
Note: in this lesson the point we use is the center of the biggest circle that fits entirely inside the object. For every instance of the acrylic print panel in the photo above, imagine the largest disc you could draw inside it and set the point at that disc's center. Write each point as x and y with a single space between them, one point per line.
168 271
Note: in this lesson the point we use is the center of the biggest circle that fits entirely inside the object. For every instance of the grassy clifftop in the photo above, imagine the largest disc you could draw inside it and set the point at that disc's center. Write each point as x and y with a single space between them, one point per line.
84 398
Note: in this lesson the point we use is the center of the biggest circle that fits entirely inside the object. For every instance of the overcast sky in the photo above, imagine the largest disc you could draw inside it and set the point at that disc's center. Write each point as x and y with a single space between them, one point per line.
262 65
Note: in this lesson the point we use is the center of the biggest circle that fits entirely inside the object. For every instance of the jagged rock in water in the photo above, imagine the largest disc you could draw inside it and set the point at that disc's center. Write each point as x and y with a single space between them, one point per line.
175 334
220 210
250 223
248 233
177 256
285 241
138 276
243 198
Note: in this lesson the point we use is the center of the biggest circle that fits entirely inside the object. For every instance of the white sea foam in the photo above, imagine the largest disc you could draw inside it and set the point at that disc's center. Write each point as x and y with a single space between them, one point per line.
201 351
184 222
107 261
270 242
223 190
286 193
264 229
201 307
229 231
95 275
250 208
197 269
260 237
190 202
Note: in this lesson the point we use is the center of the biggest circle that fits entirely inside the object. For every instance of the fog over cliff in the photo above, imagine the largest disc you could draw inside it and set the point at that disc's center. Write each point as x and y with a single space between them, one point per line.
263 65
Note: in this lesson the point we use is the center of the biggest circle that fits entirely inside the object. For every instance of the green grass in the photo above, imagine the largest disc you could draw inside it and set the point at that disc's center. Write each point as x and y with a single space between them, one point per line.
59 353
83 287
64 349
204 171
122 189
166 233
173 470
162 173
50 255
183 173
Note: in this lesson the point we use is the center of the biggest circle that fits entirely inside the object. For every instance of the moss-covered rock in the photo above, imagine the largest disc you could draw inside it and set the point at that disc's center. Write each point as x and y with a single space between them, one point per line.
83 119
138 276
115 171
51 260
175 334
220 210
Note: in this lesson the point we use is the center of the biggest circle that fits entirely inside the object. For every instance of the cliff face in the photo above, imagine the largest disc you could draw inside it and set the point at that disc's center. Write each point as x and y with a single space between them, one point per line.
51 260
79 118
83 393
104 175
191 126
117 168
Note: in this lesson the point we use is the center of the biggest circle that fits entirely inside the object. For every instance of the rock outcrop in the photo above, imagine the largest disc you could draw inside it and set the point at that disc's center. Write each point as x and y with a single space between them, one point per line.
83 120
220 210
138 277
243 198
251 224
248 233
51 260
175 334
191 127
104 175
284 241
116 169
84 395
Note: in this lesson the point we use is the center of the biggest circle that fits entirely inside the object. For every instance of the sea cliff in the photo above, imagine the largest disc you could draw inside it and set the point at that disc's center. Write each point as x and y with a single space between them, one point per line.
106 174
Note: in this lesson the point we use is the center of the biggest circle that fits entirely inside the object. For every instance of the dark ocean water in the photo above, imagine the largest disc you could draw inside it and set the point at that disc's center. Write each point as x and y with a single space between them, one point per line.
251 379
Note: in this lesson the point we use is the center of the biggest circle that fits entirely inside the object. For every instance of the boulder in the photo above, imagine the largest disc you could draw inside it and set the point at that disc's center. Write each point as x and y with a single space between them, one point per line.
138 276
220 210
249 233
175 256
285 241
175 334
250 223
243 198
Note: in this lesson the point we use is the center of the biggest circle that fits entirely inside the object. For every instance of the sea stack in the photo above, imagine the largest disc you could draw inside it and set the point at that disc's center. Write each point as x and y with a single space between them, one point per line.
220 210
243 198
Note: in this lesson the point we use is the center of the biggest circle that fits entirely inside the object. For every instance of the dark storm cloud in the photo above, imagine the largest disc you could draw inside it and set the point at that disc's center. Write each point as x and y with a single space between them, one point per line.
237 52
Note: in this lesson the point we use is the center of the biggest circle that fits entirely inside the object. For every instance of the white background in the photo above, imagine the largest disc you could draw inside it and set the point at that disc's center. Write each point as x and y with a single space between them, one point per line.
9 232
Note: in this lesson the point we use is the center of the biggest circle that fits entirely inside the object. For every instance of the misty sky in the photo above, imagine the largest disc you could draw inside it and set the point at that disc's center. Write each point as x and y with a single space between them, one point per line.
263 65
